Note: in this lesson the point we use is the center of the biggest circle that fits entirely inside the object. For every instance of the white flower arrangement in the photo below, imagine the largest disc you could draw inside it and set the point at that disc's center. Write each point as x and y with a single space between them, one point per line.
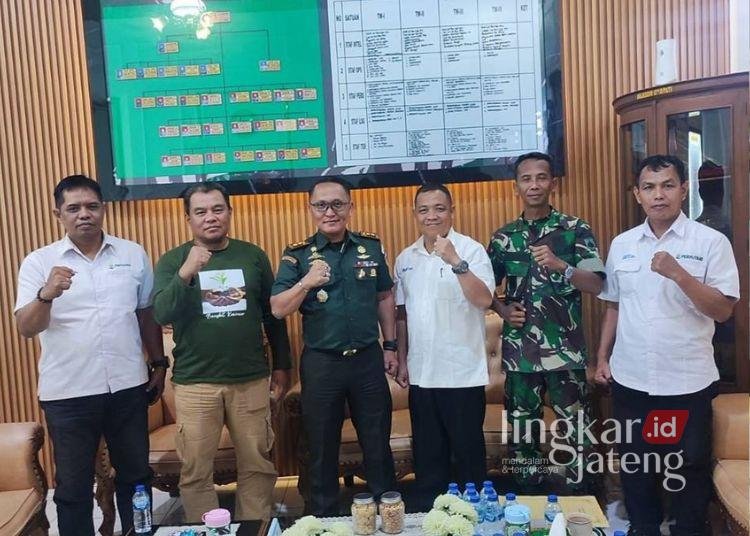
450 516
312 526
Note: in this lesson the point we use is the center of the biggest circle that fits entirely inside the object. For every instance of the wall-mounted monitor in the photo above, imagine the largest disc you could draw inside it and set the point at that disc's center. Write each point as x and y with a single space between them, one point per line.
270 95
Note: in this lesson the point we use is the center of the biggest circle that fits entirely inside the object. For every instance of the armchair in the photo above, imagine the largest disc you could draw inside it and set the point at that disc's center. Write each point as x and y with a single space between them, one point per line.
23 485
731 427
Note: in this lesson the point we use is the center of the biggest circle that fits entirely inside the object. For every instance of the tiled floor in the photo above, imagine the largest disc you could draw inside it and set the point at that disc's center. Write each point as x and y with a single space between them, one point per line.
288 503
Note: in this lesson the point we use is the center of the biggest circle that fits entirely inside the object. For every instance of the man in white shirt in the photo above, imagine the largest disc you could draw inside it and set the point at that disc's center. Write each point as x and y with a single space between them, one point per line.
668 280
87 296
444 284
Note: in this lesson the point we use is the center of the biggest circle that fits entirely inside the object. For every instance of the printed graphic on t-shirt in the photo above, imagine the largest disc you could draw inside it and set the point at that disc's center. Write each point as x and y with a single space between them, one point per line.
222 293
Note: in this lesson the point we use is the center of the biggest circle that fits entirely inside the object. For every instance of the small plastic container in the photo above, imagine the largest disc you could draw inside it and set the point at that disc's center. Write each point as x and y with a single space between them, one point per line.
364 514
218 522
391 512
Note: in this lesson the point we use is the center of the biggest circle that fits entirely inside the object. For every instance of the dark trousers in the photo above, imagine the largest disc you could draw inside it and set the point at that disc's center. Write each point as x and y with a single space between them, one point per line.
76 426
447 439
641 487
328 381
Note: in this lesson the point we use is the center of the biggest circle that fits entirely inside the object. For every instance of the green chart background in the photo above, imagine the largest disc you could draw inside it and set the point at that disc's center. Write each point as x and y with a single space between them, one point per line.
290 28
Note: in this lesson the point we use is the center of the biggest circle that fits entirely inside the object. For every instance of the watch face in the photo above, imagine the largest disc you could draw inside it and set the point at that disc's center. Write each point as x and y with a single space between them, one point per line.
461 268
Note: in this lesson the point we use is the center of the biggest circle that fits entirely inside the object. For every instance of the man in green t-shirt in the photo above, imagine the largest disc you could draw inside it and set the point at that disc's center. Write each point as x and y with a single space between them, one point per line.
214 291
546 259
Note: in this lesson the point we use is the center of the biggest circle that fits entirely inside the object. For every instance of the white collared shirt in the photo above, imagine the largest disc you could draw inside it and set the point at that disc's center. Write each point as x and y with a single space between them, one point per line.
446 332
663 343
93 343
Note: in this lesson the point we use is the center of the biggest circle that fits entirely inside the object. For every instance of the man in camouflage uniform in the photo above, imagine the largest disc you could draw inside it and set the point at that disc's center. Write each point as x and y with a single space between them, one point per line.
547 258
339 281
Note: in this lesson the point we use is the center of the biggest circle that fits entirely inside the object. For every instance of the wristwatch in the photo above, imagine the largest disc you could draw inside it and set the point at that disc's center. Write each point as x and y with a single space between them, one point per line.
390 346
568 273
460 268
160 363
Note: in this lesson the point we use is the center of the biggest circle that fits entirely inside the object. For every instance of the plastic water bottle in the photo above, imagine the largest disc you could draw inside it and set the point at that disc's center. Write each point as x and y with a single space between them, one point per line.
551 510
141 510
453 489
510 499
486 487
476 503
492 513
470 486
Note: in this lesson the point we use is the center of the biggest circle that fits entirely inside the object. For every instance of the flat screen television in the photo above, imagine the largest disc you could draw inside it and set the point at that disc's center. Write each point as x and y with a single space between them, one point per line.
270 95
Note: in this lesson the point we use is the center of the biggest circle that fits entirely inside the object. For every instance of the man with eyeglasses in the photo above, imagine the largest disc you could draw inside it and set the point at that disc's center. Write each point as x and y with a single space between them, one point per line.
339 281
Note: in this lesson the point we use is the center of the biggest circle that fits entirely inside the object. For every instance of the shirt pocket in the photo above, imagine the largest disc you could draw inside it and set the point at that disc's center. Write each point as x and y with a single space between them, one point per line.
121 287
627 273
447 287
697 270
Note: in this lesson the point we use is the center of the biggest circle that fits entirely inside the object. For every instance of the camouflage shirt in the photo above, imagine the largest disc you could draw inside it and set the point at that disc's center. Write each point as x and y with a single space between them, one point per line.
552 336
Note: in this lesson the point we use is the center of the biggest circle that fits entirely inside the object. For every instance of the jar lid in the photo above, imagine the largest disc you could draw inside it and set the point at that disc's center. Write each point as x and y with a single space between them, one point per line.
390 497
363 498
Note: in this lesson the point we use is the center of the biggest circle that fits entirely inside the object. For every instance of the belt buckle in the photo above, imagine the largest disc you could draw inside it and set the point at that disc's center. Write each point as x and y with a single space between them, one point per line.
349 353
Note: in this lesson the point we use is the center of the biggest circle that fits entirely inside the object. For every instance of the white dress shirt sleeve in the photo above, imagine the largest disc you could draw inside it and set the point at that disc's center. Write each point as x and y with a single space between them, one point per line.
146 284
610 291
721 272
397 282
481 266
31 278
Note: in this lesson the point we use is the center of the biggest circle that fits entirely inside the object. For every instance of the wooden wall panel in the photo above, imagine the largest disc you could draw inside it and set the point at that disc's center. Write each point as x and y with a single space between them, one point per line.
607 48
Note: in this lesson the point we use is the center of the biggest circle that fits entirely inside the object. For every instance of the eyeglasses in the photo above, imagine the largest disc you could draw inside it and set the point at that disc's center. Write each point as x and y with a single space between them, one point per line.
338 206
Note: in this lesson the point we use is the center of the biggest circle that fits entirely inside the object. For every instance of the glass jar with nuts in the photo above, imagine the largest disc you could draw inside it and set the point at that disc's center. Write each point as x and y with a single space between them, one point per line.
364 513
391 512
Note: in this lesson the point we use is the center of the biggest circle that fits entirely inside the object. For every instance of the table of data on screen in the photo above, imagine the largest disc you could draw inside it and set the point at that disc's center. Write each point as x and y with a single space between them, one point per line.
417 80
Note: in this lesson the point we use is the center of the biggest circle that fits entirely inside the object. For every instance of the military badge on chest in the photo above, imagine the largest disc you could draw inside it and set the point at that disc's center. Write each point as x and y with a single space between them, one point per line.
366 269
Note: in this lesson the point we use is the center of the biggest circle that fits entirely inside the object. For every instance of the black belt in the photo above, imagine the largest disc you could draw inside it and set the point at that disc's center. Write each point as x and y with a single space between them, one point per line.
347 352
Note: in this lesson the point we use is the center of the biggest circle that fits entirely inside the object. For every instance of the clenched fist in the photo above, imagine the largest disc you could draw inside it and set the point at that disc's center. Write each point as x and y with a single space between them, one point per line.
319 274
514 313
445 250
664 264
545 258
197 258
59 280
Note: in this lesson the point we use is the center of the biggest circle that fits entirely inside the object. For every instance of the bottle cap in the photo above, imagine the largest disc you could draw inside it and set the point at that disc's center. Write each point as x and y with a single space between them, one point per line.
510 496
470 485
487 483
140 487
552 498
453 485
363 498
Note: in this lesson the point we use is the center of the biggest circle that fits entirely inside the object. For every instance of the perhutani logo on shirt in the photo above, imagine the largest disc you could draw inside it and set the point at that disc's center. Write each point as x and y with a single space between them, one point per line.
628 256
689 257
120 265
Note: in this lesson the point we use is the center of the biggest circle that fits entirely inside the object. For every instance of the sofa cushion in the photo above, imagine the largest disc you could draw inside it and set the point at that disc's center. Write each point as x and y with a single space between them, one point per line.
17 508
732 482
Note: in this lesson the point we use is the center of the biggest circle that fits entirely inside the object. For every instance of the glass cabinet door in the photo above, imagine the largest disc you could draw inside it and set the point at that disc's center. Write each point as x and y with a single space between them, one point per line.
702 139
634 148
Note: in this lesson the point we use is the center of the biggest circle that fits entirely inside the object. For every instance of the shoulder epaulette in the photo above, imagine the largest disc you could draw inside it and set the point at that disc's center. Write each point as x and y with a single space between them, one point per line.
298 245
365 234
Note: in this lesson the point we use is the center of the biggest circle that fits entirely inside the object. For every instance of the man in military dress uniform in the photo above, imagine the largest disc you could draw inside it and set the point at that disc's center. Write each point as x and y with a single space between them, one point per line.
339 281
547 259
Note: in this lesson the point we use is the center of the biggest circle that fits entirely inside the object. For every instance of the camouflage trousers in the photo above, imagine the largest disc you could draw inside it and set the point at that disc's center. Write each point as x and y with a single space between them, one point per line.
524 403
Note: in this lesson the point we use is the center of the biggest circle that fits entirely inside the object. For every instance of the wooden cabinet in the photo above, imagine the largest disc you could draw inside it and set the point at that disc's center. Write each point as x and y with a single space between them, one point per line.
704 123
